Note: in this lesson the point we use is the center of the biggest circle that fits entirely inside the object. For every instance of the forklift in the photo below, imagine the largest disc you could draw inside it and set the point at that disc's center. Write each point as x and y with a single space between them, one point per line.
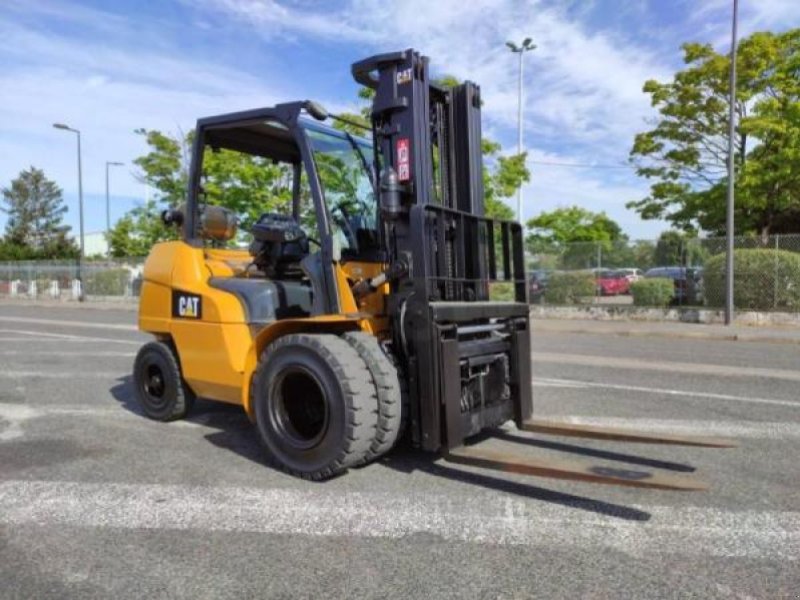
362 313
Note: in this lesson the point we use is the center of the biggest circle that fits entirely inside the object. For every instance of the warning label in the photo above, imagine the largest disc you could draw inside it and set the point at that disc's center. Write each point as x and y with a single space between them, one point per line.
403 160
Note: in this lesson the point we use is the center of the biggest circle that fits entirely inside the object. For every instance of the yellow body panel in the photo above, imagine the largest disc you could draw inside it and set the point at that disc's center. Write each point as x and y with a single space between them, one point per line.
373 304
219 351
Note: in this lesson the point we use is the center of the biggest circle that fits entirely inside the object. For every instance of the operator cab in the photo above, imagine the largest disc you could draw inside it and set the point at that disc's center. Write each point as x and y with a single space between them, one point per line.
301 194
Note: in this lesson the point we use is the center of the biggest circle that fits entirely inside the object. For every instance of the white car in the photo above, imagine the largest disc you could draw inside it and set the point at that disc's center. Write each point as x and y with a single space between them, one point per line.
632 274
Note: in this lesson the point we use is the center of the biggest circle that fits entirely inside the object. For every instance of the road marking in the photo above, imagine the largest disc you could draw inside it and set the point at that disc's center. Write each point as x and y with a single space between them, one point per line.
319 512
739 429
17 413
567 383
61 323
62 353
666 366
61 374
41 336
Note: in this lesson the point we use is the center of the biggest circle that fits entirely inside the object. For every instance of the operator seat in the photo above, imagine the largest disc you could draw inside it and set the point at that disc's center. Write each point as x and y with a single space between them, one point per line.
280 251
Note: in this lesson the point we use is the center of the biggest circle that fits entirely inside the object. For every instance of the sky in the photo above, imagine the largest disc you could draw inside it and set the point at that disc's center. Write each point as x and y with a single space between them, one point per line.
108 68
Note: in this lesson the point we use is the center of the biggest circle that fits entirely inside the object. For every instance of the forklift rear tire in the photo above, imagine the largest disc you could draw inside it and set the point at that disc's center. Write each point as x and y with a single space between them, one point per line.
315 405
159 385
387 386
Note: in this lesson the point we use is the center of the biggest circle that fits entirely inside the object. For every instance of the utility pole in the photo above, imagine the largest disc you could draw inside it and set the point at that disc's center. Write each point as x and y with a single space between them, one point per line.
527 44
108 206
729 223
81 295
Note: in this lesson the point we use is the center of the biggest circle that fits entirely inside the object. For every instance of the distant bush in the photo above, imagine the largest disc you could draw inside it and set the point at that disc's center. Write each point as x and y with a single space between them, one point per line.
106 282
655 291
500 291
763 280
569 288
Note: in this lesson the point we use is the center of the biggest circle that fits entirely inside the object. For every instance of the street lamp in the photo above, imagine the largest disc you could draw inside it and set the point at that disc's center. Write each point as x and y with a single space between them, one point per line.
109 163
80 205
729 224
527 44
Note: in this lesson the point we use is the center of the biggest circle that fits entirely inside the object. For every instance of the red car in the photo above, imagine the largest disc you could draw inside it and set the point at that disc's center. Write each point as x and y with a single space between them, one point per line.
612 283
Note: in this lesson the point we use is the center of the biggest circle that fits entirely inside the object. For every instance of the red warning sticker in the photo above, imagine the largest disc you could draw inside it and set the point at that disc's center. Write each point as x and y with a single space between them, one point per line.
403 160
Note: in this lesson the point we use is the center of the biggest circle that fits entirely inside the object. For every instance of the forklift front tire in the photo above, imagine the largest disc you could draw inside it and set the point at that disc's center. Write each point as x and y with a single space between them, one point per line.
315 405
159 385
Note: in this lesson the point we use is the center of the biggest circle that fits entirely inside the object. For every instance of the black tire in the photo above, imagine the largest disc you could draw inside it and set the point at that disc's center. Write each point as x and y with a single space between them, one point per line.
159 385
330 423
387 386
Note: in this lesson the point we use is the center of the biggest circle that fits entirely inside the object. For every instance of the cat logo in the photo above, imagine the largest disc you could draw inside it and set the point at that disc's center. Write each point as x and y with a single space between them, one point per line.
186 306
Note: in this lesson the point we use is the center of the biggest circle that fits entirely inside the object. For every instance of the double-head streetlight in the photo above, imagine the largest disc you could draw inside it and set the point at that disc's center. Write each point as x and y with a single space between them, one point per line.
526 45
80 204
109 163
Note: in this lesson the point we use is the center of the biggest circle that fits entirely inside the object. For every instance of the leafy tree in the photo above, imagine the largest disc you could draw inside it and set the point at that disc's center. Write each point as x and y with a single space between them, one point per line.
35 228
583 238
248 185
251 185
678 248
685 154
572 224
136 232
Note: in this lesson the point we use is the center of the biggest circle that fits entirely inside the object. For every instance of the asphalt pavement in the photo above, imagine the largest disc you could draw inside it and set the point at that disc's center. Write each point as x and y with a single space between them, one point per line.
96 501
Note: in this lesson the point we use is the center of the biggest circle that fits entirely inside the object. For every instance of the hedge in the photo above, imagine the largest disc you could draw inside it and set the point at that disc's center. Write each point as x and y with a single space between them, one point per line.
501 291
656 291
569 288
763 280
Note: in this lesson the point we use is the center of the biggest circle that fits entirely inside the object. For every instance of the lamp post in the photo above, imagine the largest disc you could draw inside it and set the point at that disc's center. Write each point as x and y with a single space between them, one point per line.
729 224
80 205
527 44
109 163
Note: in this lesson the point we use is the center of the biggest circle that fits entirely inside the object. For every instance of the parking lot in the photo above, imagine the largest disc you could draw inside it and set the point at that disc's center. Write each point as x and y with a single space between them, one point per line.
96 500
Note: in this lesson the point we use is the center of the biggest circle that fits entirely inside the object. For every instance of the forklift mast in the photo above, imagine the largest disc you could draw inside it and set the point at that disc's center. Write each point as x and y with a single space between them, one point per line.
466 358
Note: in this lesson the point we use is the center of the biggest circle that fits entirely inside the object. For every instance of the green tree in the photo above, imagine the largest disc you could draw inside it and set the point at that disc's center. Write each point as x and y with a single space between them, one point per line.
678 248
248 185
136 232
35 226
684 155
583 238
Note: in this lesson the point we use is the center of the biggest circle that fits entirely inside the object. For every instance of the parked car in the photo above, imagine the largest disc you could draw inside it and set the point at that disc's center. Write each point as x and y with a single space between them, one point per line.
537 285
688 282
632 274
612 283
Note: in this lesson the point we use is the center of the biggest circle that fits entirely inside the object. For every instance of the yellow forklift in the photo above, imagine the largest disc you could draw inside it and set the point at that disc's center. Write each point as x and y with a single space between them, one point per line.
362 311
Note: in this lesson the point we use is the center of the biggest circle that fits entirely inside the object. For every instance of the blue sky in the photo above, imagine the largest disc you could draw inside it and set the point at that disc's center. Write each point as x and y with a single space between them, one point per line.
108 68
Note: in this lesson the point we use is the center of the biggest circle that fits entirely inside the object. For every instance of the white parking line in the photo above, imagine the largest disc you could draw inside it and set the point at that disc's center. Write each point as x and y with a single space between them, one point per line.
615 362
320 512
41 336
570 383
63 353
61 374
737 429
61 323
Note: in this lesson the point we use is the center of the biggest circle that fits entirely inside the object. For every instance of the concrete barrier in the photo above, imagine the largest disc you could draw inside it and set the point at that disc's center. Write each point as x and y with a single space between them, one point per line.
684 315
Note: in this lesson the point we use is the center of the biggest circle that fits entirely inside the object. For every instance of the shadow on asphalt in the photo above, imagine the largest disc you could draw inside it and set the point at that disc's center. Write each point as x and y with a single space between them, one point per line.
236 434
595 453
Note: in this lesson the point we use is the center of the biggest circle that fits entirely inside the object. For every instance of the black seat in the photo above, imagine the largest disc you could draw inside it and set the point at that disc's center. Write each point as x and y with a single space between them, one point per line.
266 300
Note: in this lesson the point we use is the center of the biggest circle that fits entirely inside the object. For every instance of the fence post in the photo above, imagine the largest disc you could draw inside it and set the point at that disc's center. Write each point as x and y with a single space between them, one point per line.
775 273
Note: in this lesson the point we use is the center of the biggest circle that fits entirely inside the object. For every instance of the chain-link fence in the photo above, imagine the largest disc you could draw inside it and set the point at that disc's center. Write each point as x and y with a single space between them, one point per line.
61 279
670 271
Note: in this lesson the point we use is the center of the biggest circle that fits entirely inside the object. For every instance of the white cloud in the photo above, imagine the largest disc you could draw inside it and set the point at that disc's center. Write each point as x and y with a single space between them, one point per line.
583 85
106 92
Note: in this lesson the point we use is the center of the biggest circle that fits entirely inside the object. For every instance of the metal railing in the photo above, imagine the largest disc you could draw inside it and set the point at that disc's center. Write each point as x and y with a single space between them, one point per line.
58 279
